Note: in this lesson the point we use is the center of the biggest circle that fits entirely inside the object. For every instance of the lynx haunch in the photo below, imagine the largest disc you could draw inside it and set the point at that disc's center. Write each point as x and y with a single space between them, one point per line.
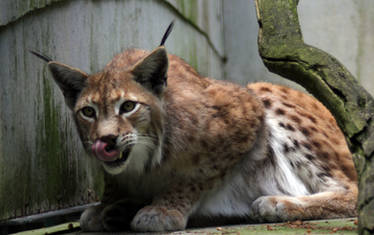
180 149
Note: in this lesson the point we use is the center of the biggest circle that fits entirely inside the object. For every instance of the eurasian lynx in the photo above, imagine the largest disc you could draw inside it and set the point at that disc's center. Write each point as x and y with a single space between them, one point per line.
183 149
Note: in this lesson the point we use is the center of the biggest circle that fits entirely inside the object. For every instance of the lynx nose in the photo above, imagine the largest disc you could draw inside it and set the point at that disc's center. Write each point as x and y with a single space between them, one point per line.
104 148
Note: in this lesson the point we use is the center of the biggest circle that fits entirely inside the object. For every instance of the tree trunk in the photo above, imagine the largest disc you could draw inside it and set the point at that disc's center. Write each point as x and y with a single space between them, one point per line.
284 52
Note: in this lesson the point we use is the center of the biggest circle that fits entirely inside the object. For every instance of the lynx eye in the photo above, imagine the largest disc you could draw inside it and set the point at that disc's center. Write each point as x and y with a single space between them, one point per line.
88 112
127 106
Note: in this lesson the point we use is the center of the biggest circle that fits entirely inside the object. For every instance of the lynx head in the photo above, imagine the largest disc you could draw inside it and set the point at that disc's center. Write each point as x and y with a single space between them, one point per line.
118 111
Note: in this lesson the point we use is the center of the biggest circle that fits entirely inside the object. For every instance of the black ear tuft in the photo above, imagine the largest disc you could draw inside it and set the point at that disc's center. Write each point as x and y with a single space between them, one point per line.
167 33
151 71
70 80
43 57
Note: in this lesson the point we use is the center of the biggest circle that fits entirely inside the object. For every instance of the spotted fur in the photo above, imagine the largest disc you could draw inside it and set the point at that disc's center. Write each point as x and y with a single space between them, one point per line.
200 151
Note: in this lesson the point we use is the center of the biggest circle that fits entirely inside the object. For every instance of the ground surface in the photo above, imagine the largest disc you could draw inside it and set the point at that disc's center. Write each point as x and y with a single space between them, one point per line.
338 226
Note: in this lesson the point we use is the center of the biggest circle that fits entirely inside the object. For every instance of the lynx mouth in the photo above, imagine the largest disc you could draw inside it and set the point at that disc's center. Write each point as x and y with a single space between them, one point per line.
123 156
109 154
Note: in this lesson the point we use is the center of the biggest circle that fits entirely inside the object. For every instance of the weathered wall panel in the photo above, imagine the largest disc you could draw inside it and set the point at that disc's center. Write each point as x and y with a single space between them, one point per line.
207 16
11 10
240 42
342 28
42 163
39 170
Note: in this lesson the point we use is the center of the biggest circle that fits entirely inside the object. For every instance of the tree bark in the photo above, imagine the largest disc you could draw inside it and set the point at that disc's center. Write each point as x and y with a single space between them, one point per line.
284 52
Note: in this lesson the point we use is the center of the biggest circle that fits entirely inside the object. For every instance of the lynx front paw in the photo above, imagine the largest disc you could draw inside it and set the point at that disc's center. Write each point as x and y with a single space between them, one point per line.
90 220
113 217
117 217
157 219
275 209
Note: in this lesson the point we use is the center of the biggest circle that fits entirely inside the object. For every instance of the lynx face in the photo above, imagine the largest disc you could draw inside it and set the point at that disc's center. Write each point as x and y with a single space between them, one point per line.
119 124
118 112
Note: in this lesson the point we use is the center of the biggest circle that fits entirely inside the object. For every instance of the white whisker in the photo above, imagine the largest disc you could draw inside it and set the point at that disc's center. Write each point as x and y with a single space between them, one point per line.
88 142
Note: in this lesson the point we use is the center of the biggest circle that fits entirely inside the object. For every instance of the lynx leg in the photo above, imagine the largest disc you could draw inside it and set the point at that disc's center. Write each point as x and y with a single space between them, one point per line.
316 206
90 219
109 217
158 218
171 210
118 216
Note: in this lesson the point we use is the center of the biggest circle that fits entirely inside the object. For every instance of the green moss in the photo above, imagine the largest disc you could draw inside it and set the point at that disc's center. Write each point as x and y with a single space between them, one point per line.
42 172
49 146
192 57
188 8
294 71
367 215
56 183
301 63
62 181
180 6
285 53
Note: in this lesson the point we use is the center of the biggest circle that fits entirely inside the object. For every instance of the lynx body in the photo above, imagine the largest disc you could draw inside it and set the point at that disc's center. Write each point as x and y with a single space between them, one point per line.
179 149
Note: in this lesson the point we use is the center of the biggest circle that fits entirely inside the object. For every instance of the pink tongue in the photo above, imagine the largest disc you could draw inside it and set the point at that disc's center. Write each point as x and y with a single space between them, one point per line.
98 148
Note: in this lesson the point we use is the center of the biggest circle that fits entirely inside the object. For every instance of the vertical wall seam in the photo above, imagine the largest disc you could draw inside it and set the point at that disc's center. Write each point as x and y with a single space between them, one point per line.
195 26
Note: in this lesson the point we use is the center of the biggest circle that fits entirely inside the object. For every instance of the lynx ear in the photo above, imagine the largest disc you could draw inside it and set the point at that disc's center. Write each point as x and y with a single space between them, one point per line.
151 72
70 80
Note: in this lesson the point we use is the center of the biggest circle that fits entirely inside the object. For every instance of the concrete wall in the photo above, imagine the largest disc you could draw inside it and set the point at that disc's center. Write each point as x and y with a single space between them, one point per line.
240 42
42 163
343 28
